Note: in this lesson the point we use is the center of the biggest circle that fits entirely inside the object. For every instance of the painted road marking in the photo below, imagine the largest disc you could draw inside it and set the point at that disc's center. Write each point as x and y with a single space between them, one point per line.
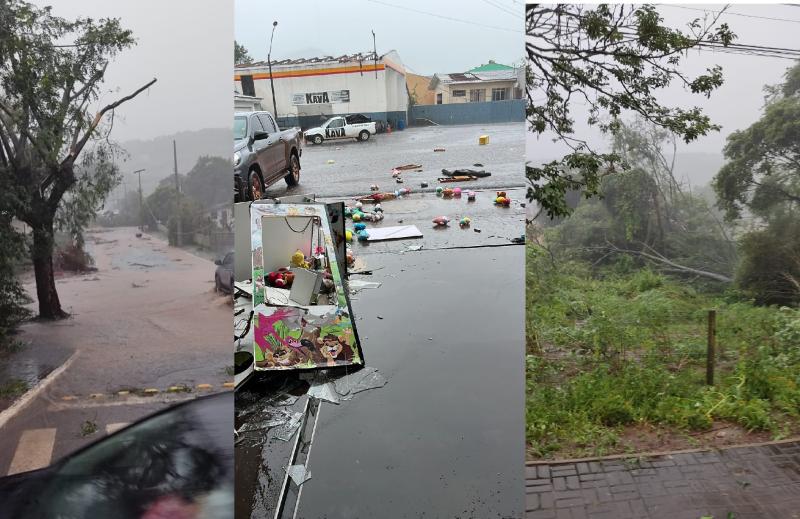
114 427
34 450
165 398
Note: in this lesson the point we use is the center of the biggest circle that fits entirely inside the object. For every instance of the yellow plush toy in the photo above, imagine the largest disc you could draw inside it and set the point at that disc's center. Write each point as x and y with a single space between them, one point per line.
299 260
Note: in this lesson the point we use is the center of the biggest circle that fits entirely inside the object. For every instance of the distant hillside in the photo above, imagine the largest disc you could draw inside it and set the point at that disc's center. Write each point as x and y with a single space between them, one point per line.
155 155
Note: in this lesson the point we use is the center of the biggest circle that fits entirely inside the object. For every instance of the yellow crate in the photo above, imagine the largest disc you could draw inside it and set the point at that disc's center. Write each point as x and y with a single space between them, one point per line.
483 139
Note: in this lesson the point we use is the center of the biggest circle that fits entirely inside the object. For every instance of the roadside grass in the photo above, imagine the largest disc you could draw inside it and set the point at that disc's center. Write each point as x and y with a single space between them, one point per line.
612 350
13 388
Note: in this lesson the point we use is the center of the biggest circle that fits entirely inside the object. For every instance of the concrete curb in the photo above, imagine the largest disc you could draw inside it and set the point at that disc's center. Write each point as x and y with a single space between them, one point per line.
32 393
653 454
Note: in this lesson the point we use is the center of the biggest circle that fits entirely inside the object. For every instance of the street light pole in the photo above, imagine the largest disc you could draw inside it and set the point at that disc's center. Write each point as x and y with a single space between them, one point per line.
271 82
141 200
179 227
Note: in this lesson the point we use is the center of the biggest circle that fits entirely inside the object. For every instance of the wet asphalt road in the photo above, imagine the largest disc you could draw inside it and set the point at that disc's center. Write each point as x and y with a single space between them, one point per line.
357 165
444 437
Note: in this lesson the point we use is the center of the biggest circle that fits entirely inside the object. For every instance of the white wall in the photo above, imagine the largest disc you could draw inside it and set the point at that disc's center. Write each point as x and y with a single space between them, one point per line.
367 94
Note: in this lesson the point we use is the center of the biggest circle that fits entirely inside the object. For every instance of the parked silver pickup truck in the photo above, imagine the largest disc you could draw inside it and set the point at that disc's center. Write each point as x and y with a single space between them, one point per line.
263 154
340 128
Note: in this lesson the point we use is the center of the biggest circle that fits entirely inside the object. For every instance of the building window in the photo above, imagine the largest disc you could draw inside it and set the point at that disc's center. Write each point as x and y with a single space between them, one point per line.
459 93
248 88
477 95
499 94
517 93
438 99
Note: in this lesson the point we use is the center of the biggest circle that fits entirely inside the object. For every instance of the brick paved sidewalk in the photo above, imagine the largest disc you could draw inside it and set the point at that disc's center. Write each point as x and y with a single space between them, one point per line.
748 482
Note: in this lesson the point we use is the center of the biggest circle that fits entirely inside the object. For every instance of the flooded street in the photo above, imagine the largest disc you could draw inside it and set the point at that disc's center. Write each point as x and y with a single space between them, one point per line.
147 322
148 317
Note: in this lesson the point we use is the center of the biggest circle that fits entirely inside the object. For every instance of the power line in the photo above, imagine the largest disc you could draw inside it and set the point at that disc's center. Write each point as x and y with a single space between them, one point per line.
504 9
732 13
443 17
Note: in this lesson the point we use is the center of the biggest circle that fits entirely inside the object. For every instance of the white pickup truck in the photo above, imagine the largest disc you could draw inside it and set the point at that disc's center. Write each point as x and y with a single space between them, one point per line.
341 128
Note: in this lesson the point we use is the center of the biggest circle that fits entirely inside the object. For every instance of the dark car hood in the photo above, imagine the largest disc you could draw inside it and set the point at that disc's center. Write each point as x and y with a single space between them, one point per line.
17 491
239 145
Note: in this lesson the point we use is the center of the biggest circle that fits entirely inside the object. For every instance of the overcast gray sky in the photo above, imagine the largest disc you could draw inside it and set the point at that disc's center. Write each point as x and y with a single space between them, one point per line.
426 43
186 44
736 104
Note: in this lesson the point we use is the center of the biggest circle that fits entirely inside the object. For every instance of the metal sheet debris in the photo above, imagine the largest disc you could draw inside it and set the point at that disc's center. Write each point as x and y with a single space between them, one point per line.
362 380
398 232
324 391
299 474
357 285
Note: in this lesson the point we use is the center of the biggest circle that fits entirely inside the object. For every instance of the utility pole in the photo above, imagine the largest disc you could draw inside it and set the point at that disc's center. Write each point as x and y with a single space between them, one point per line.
374 54
271 83
141 199
179 231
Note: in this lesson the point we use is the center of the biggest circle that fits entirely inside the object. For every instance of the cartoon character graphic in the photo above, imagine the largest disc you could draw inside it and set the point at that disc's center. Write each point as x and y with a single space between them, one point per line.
335 348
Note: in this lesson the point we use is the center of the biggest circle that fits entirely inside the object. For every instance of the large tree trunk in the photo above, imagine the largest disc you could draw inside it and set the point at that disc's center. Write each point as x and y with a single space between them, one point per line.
42 255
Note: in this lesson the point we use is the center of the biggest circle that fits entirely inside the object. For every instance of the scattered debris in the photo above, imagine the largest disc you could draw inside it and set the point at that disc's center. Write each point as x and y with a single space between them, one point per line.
358 285
380 317
441 221
439 149
483 139
324 391
406 167
502 199
88 428
331 161
143 265
423 184
362 380
468 172
138 235
456 179
464 222
299 474
290 428
137 285
414 247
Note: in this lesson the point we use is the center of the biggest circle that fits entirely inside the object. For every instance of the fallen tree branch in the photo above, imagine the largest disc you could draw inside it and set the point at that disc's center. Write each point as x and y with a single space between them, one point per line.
658 258
78 144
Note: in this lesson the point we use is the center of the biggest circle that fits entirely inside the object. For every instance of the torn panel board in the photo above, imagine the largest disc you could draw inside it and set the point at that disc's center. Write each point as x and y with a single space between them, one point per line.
290 336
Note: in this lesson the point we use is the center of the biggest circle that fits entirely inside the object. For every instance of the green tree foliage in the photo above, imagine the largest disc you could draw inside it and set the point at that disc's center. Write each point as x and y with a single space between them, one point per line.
208 182
240 54
614 59
12 296
203 187
51 73
761 179
644 212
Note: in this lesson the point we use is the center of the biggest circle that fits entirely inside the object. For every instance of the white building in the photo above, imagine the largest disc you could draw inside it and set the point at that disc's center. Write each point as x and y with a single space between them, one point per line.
309 90
490 82
243 103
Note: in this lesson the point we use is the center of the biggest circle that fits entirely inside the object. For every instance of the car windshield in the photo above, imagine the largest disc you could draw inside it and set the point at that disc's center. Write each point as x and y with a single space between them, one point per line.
239 127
